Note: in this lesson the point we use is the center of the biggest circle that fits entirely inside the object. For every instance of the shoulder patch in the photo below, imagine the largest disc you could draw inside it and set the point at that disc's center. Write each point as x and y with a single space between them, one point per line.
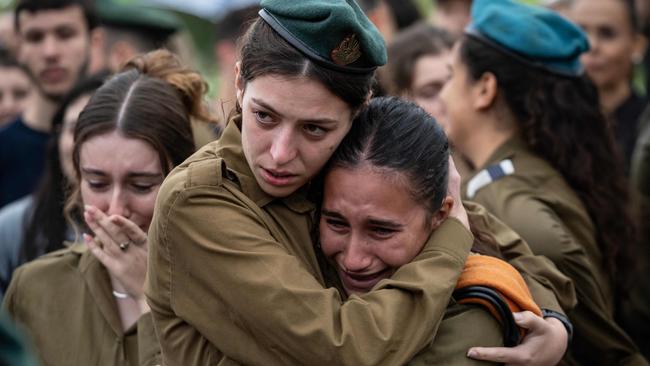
488 175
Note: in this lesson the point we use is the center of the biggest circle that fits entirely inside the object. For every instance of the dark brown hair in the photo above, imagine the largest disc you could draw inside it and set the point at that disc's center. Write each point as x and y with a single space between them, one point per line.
264 52
152 99
560 120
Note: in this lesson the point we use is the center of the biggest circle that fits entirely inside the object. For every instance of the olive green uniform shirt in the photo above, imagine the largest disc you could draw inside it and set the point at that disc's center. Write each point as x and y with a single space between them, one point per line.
65 302
233 277
538 204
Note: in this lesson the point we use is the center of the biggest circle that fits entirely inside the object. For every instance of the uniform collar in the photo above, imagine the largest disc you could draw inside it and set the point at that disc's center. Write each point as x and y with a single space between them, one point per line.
506 151
230 148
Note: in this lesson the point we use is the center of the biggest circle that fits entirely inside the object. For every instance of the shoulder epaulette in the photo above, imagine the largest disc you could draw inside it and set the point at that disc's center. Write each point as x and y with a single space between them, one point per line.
488 175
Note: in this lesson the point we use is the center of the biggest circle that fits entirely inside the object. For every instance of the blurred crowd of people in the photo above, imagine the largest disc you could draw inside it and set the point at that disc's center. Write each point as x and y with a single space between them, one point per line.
78 189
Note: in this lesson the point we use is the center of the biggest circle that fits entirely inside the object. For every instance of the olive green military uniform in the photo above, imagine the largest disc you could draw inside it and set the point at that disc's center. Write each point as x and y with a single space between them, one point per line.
233 272
533 198
64 300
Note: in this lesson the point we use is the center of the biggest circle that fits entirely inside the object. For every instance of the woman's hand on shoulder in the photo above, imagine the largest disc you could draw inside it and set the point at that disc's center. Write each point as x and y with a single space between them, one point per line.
121 246
544 344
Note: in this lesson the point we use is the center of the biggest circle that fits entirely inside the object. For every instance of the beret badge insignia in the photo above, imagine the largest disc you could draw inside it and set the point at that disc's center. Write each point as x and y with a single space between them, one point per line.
347 51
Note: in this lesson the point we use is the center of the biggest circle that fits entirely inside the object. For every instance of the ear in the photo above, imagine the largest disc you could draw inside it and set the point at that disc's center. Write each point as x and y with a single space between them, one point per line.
484 91
443 213
239 83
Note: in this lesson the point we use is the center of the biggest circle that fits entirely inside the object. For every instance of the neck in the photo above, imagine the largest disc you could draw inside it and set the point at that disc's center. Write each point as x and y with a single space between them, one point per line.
611 97
483 143
39 112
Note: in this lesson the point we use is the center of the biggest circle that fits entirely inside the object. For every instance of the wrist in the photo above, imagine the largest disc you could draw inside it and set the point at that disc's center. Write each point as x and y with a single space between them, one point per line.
562 319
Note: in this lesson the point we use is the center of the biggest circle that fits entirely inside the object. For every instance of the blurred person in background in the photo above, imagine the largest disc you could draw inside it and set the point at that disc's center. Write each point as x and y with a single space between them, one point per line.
8 38
15 88
55 38
35 224
381 15
616 44
452 15
417 66
84 305
132 29
521 110
227 31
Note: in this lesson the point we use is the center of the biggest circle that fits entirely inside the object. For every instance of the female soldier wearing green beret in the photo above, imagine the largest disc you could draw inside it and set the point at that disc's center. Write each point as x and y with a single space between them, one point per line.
232 274
521 111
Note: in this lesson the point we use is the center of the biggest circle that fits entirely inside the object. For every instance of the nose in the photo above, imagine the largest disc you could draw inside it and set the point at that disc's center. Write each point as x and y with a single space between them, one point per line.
119 204
51 47
283 148
355 257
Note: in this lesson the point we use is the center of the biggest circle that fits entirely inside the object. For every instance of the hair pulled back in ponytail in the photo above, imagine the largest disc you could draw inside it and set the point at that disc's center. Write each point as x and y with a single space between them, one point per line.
559 119
153 99
166 66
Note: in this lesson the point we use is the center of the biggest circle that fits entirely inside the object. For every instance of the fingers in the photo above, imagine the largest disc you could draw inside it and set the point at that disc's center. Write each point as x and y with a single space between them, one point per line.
132 231
495 354
97 251
529 320
105 231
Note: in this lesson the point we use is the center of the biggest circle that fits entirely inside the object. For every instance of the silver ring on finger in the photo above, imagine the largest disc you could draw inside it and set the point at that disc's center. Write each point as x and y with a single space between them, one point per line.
124 246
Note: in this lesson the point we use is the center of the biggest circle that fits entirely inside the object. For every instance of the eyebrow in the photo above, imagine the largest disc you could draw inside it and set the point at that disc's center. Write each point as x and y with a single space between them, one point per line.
264 105
384 223
130 175
332 214
371 220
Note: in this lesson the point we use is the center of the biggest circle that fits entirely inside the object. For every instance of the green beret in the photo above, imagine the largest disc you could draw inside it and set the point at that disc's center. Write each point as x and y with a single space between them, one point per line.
537 36
333 33
121 14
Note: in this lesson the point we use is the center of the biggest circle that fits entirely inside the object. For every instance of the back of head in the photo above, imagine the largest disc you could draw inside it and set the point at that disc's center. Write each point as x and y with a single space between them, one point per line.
153 100
34 6
421 39
398 137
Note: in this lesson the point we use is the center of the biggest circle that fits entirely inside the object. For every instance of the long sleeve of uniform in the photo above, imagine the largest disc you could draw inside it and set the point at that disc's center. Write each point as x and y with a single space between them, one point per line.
597 338
230 278
455 337
551 289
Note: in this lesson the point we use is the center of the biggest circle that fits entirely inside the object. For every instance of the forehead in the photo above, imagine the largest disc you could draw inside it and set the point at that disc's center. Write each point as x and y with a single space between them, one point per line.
368 189
431 68
592 11
297 97
115 154
46 19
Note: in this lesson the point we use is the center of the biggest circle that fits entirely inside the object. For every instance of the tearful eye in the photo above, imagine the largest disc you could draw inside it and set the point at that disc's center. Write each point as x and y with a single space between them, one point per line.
382 232
336 224
315 130
143 188
263 117
96 185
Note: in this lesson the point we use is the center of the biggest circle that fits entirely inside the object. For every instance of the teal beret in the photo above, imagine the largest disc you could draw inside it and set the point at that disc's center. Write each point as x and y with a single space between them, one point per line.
333 33
537 36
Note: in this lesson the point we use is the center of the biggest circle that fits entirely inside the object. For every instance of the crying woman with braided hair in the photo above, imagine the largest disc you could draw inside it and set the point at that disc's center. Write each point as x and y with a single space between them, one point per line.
84 305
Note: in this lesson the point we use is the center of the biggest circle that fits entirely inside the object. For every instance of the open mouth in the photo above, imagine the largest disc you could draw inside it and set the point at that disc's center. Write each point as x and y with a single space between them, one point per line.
363 282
